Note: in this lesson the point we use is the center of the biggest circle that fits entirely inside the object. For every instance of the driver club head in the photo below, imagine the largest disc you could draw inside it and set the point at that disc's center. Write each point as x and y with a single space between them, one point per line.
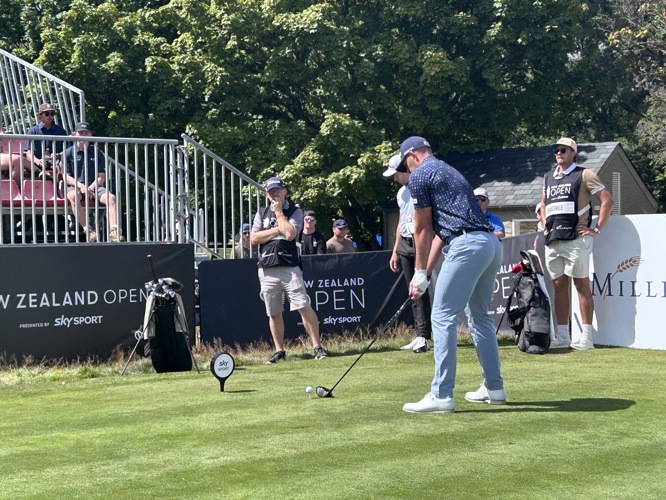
323 392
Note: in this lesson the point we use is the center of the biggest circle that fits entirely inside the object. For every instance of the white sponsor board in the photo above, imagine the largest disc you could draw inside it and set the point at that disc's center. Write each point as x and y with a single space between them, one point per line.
628 280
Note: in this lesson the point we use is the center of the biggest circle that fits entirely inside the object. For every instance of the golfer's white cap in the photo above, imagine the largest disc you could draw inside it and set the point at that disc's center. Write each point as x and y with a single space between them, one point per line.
393 165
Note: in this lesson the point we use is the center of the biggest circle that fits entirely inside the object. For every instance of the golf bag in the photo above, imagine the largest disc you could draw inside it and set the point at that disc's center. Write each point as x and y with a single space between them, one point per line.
165 327
529 308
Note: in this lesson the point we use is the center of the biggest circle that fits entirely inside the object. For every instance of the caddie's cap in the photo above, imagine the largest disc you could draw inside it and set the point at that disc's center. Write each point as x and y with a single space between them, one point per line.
273 182
565 141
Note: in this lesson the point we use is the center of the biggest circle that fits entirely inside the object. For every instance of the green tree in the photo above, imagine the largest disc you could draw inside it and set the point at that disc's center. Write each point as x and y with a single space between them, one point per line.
323 92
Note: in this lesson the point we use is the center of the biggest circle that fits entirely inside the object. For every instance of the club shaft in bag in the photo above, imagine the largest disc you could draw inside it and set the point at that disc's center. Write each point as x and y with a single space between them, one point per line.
388 325
153 271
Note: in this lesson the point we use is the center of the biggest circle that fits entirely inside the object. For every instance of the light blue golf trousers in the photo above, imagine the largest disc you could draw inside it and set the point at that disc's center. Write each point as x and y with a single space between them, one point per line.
467 277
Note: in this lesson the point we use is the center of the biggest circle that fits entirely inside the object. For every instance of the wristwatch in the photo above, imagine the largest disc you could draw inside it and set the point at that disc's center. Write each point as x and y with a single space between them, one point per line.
596 230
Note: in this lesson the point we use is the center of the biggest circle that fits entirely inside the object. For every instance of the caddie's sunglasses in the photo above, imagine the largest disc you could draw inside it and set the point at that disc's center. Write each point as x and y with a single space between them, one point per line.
561 150
48 113
310 219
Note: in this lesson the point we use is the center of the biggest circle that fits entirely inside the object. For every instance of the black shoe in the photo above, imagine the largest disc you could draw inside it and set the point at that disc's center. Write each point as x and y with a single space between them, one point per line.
319 353
277 356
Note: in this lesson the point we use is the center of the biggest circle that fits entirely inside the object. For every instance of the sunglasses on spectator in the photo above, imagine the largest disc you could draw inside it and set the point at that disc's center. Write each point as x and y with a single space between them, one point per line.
246 232
48 113
561 150
310 219
481 198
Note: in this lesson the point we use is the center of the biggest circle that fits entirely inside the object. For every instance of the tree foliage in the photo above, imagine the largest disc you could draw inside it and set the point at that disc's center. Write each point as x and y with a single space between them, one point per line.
322 92
637 29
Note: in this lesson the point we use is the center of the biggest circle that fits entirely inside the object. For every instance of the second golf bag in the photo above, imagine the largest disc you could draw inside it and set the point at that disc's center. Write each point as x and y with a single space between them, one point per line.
529 310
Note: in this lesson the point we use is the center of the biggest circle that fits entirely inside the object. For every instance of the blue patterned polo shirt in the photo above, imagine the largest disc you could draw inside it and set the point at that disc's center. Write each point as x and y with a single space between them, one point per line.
438 185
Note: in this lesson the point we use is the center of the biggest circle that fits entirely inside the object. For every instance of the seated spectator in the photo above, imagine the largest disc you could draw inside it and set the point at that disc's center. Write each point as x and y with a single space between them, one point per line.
85 176
243 249
11 152
40 152
339 243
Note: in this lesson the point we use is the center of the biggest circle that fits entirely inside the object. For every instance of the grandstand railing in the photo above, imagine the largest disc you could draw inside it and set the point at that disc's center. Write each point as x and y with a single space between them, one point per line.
143 175
220 197
23 87
164 192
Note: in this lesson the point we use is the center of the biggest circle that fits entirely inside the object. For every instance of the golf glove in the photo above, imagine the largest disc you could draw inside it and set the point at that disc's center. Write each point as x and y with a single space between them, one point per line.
420 281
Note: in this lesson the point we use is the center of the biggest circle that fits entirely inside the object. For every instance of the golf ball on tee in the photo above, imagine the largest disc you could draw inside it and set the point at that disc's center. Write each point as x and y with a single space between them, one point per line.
308 389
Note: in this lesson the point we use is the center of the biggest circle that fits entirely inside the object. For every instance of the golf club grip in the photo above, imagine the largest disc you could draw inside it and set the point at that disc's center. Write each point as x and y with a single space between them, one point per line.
153 271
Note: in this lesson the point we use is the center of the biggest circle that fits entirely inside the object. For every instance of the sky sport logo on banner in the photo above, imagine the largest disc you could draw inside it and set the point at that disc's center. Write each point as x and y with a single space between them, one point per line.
628 280
344 295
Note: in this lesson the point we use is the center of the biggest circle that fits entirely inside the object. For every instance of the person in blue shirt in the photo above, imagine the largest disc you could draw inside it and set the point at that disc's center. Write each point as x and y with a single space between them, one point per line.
445 206
40 152
484 201
84 171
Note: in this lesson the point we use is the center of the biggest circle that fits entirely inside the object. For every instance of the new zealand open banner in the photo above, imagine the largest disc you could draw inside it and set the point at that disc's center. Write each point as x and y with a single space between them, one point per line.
79 300
346 291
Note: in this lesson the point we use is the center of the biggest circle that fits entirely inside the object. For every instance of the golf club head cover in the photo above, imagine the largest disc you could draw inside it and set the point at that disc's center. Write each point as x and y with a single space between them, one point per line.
420 281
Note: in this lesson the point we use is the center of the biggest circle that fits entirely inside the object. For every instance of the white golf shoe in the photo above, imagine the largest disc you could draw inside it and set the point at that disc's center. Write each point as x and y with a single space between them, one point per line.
420 345
560 343
583 344
410 346
483 395
431 404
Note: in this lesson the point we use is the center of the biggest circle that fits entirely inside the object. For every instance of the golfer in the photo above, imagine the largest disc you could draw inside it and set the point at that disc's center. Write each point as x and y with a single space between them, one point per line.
275 229
445 205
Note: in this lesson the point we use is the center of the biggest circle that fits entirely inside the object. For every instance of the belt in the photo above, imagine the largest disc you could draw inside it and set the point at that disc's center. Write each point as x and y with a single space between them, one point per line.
466 230
408 239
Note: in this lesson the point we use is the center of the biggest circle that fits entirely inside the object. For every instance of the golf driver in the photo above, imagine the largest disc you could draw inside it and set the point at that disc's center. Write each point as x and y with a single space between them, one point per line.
323 392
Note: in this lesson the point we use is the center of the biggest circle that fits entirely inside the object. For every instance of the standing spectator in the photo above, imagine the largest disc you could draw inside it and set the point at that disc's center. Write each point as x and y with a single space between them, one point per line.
566 206
40 152
339 243
404 252
244 249
85 177
275 229
444 204
312 241
484 200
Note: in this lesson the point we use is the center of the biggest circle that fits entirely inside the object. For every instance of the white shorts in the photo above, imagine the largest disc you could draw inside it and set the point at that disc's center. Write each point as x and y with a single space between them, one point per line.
278 280
569 257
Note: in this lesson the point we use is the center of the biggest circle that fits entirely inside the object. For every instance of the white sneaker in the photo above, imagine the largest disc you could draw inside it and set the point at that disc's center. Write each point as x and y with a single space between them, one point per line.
410 346
584 343
560 343
431 404
420 345
483 395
